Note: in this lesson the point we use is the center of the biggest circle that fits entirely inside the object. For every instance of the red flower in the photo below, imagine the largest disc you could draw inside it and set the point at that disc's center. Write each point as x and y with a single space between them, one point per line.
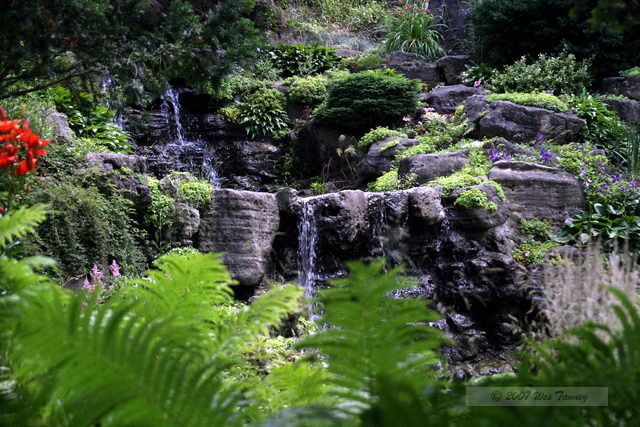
20 147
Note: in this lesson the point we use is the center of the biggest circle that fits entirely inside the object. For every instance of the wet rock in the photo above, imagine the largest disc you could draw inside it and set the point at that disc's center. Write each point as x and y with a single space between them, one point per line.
289 203
425 204
628 110
185 224
412 66
446 99
431 166
341 219
242 224
625 86
452 66
479 218
108 162
538 191
380 159
248 158
519 123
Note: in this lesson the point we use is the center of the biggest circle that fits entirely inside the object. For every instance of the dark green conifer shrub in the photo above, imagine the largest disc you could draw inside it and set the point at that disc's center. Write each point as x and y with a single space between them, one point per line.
365 100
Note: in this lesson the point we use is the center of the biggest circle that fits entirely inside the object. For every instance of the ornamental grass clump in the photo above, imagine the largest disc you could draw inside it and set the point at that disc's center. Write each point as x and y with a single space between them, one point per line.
413 29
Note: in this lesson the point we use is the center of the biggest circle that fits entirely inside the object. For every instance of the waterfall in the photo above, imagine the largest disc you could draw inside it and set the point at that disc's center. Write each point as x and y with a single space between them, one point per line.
107 84
171 102
307 240
182 146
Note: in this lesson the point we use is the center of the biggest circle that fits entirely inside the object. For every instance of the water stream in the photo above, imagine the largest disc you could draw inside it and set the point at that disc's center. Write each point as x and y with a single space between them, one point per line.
307 242
182 147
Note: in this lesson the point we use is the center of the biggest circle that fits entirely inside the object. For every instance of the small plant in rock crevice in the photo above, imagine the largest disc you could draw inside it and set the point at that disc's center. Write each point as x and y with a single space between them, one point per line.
475 198
263 114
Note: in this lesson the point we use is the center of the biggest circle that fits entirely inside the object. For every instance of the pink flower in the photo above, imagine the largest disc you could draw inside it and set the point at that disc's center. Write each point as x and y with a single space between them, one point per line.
406 119
115 269
477 83
429 110
419 123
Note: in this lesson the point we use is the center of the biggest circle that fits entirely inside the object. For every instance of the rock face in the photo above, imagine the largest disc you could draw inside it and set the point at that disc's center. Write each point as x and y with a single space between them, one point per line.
431 166
537 191
519 123
425 204
412 66
479 218
625 86
242 224
59 125
318 146
452 66
446 99
186 222
628 110
248 164
380 159
456 15
108 162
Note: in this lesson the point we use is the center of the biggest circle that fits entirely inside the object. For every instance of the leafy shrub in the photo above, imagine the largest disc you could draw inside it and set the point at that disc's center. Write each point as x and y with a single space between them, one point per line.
413 29
378 134
352 14
561 74
85 227
630 72
197 192
263 113
302 60
498 25
237 83
536 228
309 91
371 98
605 223
540 100
231 113
453 182
532 251
391 181
370 60
603 127
475 198
477 73
160 212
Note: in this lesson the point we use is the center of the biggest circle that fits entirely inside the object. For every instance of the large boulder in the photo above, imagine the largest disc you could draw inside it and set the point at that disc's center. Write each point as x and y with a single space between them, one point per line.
431 166
257 158
242 224
625 86
184 226
108 162
479 218
519 123
445 99
628 110
452 66
59 125
413 66
425 204
379 158
538 191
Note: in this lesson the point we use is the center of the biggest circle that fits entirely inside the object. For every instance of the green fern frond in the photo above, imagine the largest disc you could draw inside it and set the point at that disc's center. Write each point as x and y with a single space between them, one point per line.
19 274
186 288
256 319
19 222
109 365
374 339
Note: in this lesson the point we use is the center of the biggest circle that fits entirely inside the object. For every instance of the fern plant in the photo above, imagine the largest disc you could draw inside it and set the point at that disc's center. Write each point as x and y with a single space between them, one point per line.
153 356
380 349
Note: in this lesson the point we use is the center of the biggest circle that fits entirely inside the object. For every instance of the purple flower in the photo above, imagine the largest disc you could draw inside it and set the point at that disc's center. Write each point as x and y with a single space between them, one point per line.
568 221
496 155
115 269
546 156
539 137
616 177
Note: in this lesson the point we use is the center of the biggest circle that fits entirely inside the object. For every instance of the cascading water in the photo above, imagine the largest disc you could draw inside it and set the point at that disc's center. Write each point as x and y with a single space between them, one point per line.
107 85
307 241
182 148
